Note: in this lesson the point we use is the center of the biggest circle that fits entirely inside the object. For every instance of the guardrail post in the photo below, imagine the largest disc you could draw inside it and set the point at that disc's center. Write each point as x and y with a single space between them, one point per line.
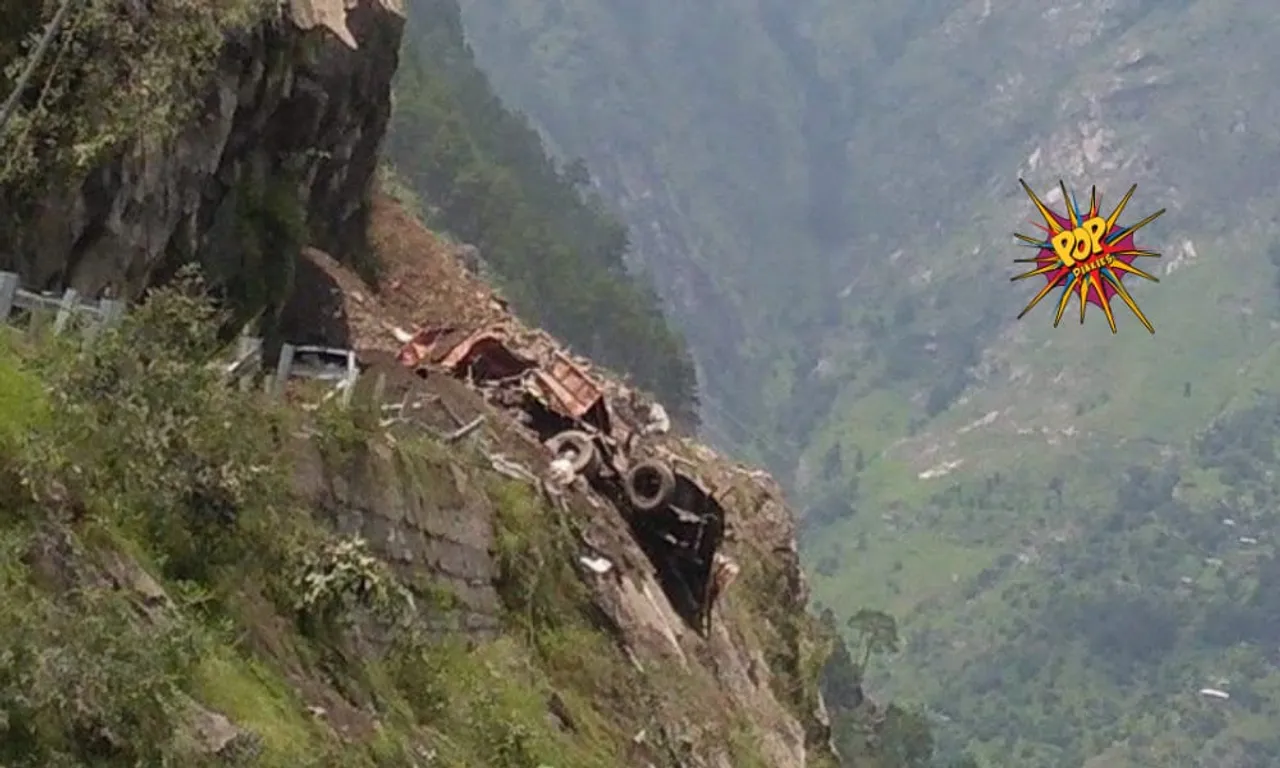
8 292
38 308
283 366
111 310
245 346
65 310
349 381
248 345
103 317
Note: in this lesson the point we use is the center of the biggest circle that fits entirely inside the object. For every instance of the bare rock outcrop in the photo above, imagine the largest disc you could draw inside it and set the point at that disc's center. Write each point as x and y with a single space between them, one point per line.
305 97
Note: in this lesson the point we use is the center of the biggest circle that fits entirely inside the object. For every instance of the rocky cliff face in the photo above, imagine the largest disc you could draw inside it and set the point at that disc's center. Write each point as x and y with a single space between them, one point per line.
305 98
433 518
754 675
467 527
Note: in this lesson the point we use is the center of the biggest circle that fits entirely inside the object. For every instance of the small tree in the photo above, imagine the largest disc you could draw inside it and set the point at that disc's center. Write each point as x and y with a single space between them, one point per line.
877 633
841 679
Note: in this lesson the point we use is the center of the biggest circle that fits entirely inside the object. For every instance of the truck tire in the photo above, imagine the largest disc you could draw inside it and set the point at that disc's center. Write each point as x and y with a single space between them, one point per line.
649 485
585 458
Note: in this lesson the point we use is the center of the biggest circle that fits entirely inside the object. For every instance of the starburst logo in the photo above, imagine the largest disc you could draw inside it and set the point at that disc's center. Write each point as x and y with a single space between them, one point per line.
1086 255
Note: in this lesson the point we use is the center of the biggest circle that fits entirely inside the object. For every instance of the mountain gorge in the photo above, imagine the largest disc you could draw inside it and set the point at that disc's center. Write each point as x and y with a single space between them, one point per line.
259 558
670 152
1043 545
1072 526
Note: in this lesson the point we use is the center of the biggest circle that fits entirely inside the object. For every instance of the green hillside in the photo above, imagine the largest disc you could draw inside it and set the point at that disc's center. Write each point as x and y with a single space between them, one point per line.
830 192
482 175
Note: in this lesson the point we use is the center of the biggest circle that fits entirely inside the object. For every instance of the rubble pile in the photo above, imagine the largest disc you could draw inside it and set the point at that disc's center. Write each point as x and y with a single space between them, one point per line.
664 524
600 435
676 520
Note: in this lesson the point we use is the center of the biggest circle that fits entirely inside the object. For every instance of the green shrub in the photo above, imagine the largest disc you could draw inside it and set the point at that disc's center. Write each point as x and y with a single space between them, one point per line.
82 680
83 105
135 450
150 437
339 579
536 580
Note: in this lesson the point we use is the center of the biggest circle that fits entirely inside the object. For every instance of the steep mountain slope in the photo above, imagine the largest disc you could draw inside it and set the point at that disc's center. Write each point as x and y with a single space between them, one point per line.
690 696
480 173
198 573
723 179
982 477
208 577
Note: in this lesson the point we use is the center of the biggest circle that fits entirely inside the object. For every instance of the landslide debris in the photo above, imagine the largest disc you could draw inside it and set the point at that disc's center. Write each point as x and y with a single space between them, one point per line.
762 654
197 574
286 584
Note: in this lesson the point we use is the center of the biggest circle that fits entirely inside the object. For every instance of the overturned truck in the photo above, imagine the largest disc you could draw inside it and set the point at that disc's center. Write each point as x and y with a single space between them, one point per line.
675 519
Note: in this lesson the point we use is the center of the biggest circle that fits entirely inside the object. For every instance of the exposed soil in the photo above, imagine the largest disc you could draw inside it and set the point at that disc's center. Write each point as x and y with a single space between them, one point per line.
425 284
423 281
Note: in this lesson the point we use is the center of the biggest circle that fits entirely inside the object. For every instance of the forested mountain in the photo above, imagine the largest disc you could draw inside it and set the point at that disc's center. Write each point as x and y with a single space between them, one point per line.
1071 526
709 126
483 176
475 169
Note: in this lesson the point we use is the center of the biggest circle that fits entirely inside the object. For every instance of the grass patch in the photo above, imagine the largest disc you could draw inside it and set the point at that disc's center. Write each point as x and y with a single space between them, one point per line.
425 468
535 550
152 463
488 706
255 698
158 475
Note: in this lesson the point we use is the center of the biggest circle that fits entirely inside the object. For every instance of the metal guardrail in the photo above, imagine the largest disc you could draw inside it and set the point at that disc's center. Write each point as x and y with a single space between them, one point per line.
320 363
296 362
66 307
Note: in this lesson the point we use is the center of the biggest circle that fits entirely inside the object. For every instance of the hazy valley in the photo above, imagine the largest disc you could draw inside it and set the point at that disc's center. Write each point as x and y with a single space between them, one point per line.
826 195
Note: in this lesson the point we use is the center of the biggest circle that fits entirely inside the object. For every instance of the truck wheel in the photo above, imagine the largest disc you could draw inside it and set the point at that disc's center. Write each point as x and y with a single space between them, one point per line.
649 485
579 445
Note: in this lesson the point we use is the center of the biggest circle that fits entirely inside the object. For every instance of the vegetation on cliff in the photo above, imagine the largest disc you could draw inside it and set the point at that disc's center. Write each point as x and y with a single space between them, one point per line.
159 572
80 106
120 81
484 176
126 467
1063 521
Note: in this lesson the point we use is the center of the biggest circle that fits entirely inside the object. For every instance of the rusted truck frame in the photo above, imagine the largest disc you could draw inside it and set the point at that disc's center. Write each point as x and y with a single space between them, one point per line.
676 520
485 358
